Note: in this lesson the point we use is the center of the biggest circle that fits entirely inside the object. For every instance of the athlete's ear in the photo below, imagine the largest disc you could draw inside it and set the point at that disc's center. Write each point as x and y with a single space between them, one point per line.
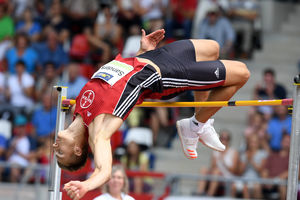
77 151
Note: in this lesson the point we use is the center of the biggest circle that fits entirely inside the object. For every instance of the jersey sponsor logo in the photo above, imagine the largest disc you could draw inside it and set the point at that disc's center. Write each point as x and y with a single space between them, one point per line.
113 71
105 76
87 99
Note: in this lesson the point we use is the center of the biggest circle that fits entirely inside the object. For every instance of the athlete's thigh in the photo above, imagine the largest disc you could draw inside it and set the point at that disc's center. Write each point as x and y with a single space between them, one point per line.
206 50
181 49
236 72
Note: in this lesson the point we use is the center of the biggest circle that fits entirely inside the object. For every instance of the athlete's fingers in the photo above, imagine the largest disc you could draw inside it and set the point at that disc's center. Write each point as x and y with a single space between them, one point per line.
143 33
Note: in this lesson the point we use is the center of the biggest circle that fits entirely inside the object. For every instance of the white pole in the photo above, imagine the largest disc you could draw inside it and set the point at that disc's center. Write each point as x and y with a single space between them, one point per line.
292 188
55 171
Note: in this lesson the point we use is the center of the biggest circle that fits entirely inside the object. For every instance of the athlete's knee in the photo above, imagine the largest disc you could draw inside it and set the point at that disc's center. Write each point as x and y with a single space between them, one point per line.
244 72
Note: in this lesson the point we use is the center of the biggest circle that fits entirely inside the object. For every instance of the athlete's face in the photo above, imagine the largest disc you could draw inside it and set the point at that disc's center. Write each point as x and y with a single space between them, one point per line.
64 148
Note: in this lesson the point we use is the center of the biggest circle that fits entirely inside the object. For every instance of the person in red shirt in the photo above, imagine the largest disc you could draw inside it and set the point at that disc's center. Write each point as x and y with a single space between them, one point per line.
156 73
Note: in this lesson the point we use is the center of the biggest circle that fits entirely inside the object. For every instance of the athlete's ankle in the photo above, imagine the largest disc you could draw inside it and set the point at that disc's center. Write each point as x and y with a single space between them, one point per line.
196 126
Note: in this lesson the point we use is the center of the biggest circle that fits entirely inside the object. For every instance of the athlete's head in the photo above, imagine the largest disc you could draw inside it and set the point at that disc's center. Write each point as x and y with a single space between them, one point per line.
71 147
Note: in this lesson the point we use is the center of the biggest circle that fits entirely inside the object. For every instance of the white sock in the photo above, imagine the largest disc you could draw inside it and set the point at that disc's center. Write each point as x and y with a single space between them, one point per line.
196 126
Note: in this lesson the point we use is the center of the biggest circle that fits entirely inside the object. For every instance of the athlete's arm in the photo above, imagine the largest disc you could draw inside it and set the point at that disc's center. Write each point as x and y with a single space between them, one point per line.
149 42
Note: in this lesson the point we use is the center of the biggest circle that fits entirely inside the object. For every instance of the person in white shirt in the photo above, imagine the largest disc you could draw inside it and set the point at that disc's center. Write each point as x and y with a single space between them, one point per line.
117 187
20 87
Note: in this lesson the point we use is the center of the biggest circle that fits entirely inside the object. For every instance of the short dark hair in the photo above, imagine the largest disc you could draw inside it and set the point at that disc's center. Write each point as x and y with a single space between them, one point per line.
269 71
79 160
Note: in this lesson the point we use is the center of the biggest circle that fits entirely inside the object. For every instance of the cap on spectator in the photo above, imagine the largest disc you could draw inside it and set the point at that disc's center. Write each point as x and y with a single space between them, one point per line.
213 9
20 120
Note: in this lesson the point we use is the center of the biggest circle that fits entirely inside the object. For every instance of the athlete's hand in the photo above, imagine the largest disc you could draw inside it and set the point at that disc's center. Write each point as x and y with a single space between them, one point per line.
75 189
150 41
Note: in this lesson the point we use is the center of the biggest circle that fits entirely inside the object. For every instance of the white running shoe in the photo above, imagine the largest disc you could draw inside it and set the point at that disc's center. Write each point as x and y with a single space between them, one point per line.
209 137
188 144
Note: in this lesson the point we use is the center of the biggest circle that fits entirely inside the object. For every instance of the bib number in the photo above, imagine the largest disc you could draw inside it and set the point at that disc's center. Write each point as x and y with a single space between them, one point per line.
113 71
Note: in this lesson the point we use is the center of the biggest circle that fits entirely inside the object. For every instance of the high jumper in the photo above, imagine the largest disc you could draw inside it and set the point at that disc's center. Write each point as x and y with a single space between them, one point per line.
155 73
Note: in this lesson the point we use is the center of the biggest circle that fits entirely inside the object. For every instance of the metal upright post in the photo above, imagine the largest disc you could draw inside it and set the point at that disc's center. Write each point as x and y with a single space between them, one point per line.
55 172
292 188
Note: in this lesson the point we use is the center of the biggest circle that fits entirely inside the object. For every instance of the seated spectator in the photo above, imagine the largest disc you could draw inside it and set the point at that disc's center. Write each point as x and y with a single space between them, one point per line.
47 81
251 167
106 27
57 21
74 81
258 126
80 14
29 26
269 88
279 124
18 152
128 15
21 51
18 7
51 51
276 166
223 164
134 159
117 187
182 14
6 23
44 118
218 28
21 88
243 15
152 13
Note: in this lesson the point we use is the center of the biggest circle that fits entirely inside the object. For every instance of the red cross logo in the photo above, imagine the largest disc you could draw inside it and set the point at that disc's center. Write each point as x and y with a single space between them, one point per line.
87 99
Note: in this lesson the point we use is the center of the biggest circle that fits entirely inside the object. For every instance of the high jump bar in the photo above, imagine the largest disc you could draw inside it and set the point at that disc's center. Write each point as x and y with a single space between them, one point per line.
274 102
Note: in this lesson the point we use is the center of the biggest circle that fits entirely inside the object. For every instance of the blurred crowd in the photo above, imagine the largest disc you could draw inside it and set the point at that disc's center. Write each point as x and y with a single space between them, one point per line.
44 43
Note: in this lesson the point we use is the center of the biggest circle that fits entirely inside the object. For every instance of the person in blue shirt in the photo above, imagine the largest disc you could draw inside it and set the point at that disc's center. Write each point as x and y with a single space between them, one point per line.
218 28
52 51
278 125
21 51
44 118
28 26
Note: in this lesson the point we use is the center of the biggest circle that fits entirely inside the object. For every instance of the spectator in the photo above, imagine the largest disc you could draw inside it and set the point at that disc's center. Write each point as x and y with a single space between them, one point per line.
117 186
182 14
19 149
128 15
269 88
276 166
152 12
218 28
44 118
21 88
223 164
106 27
134 159
251 167
47 81
6 23
244 14
29 26
21 51
80 14
52 51
74 81
279 124
57 21
258 126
